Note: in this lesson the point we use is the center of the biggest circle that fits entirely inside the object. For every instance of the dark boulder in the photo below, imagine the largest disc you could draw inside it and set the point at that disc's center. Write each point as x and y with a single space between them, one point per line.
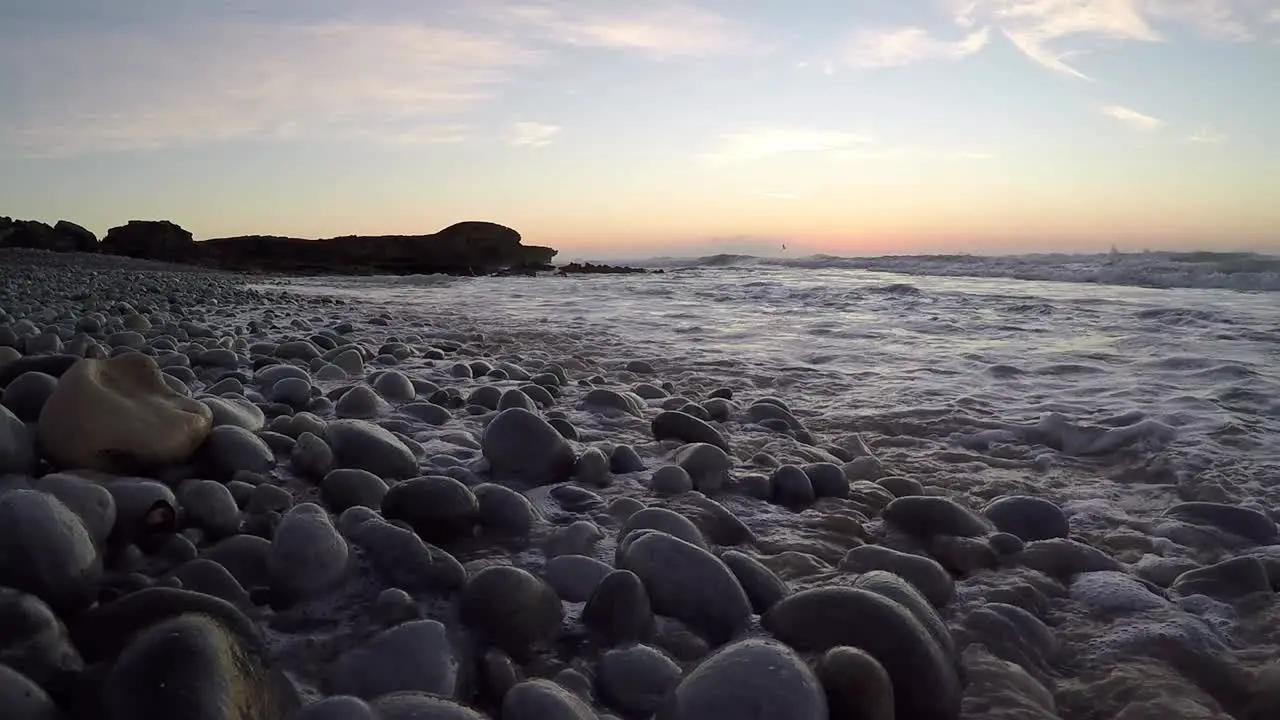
151 240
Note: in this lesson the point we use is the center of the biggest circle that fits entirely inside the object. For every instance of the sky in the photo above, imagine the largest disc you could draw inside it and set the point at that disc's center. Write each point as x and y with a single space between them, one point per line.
612 128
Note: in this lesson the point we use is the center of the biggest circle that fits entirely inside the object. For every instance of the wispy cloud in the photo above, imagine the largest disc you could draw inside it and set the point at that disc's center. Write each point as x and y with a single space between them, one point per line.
1133 118
1050 32
532 134
661 28
764 143
893 47
1207 136
130 90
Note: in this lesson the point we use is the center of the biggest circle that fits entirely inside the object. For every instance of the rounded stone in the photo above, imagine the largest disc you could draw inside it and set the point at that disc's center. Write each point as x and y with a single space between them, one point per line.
414 656
46 551
27 394
667 521
927 516
429 413
437 507
1028 518
206 576
827 480
624 459
1228 580
395 387
413 705
236 411
792 488
857 687
311 456
635 680
900 486
515 399
308 555
763 587
230 449
90 501
670 480
22 699
592 468
193 666
544 700
361 403
673 425
754 678
365 446
819 619
924 573
399 556
117 415
336 707
896 588
346 488
503 511
689 584
1242 521
292 391
210 506
575 577
511 608
17 446
35 642
706 464
522 446
618 611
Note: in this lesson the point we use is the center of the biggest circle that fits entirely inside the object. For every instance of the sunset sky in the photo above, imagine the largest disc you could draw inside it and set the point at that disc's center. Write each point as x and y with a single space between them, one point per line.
608 128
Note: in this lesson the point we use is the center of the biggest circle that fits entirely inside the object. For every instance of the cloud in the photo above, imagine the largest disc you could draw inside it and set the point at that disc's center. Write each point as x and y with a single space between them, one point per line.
1048 32
530 134
662 29
1133 118
893 47
135 90
765 143
1207 136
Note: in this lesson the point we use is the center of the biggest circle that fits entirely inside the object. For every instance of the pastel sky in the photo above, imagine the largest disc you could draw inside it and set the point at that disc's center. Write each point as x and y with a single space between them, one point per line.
609 128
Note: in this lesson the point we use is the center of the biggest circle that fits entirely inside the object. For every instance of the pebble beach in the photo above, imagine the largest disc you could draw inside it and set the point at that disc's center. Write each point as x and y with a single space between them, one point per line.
235 499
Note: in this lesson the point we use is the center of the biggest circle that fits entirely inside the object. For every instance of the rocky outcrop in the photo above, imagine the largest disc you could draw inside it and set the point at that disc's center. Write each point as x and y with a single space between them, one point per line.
151 240
62 237
465 248
576 268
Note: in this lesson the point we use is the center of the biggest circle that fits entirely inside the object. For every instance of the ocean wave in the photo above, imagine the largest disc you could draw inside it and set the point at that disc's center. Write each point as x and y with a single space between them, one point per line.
1242 271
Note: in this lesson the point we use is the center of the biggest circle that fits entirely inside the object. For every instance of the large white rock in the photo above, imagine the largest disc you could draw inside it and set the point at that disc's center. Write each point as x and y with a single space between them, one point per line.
118 413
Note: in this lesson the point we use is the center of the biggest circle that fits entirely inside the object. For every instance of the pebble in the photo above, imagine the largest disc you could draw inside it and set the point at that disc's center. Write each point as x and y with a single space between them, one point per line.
634 680
364 446
209 506
689 584
511 608
619 610
395 387
666 521
1028 518
521 446
45 550
763 587
1242 521
22 699
592 468
670 480
230 448
708 466
792 488
544 700
206 576
17 446
236 411
856 686
827 480
503 511
429 413
118 414
925 684
929 516
90 501
27 394
575 577
624 459
361 403
349 487
35 642
672 425
438 508
1229 580
308 556
925 574
402 559
753 678
413 656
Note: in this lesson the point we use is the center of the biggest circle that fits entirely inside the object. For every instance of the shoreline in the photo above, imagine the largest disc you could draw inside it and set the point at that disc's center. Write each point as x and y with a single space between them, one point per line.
490 455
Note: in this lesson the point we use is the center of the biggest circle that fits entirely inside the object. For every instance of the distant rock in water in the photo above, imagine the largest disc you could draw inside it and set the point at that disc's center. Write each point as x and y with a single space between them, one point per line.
62 237
575 268
467 248
151 240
